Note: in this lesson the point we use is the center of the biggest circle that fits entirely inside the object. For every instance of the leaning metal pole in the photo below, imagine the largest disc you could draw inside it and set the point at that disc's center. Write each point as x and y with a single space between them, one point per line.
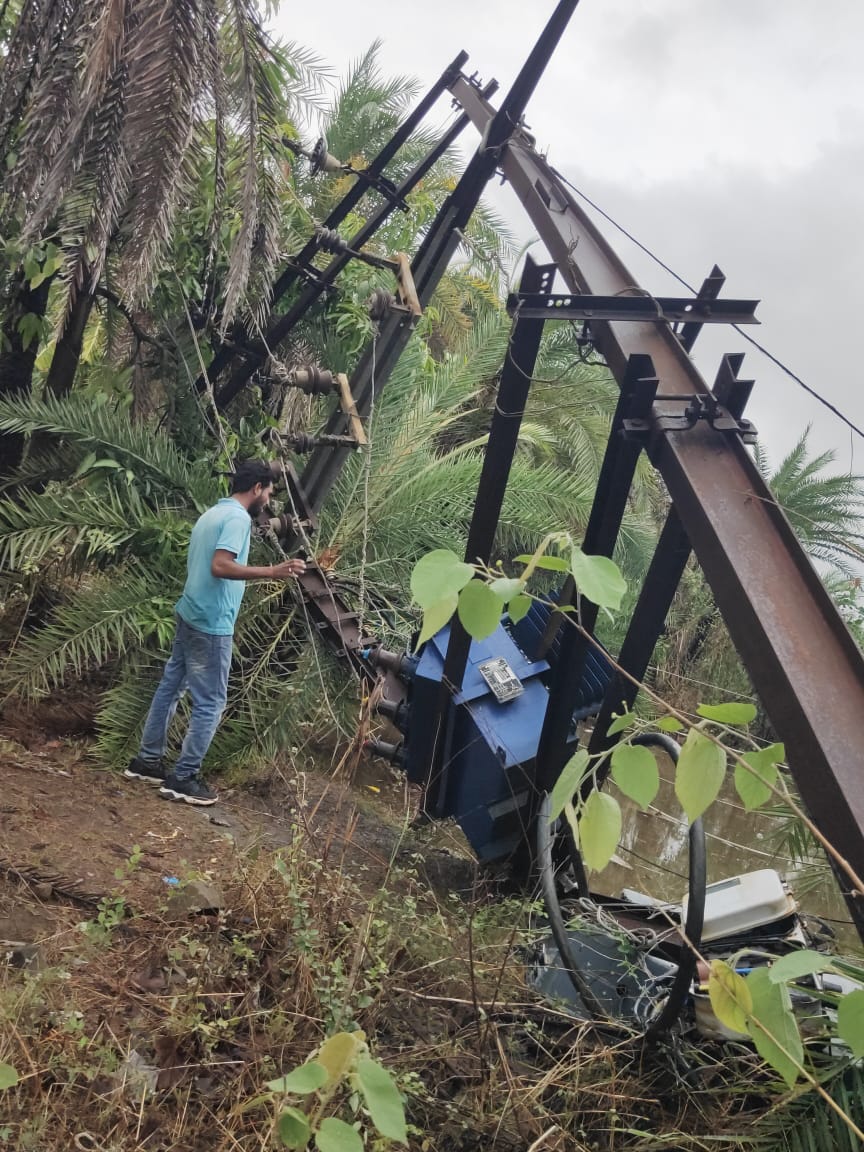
441 242
804 663
342 210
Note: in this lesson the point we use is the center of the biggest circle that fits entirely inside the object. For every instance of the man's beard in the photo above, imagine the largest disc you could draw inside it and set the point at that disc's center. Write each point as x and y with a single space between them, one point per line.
257 507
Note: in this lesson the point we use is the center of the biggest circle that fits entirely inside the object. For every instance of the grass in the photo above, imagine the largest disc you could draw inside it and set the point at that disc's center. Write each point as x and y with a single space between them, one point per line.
155 1031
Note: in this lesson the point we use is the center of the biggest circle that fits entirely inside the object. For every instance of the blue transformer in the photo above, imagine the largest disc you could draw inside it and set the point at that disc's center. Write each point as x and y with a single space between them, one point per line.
490 743
489 753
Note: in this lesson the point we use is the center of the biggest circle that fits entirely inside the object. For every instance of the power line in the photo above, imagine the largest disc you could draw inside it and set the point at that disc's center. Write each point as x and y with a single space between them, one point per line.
745 335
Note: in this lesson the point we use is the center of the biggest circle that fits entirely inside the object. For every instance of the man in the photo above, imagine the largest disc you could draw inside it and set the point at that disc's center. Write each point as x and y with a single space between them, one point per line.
201 656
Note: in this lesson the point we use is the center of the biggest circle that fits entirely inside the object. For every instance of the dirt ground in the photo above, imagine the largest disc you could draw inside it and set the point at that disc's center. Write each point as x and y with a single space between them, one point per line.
68 826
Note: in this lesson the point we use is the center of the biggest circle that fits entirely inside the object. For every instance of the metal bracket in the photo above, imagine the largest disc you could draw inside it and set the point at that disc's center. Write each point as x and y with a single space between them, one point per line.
358 432
700 406
673 309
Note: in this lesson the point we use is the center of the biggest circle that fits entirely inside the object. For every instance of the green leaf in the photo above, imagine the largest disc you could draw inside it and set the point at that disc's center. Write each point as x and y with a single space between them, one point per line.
669 724
699 774
505 589
85 465
777 1040
567 783
850 1022
303 1080
479 610
732 713
294 1131
754 787
798 964
437 576
8 1076
30 327
730 996
519 607
599 829
550 563
338 1053
620 723
635 771
383 1100
435 616
598 578
337 1136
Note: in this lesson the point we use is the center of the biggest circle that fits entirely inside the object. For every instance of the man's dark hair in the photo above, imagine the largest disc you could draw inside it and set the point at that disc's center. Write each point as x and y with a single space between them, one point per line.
248 473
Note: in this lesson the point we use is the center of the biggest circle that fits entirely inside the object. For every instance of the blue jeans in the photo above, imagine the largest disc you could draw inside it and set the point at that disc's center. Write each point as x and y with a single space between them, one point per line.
201 663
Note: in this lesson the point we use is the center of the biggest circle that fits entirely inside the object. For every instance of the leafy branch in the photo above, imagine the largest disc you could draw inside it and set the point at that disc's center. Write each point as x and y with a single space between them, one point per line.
758 1007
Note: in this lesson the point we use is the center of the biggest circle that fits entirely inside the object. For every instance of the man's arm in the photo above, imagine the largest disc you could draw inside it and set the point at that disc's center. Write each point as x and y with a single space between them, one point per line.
224 566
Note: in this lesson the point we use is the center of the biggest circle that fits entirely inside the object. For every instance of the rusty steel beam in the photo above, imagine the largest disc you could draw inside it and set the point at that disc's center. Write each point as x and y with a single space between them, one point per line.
802 659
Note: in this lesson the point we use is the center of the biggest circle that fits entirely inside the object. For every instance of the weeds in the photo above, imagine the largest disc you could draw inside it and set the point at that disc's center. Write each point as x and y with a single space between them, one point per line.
172 1035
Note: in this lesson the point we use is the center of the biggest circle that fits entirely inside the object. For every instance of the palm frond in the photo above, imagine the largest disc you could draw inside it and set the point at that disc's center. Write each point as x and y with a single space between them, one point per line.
165 57
101 620
89 425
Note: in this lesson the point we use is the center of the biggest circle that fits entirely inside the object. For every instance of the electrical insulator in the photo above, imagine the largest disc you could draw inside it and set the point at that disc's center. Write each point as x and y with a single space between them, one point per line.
380 304
323 161
395 753
330 241
395 711
312 380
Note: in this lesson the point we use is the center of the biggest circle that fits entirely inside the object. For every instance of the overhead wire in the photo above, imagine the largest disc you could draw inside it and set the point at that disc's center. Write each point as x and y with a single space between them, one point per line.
745 335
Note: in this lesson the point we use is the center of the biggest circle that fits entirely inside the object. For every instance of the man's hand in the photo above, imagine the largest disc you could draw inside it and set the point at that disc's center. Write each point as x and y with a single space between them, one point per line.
287 569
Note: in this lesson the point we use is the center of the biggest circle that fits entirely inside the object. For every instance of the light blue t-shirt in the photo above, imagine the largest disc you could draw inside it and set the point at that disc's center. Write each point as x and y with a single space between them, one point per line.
210 604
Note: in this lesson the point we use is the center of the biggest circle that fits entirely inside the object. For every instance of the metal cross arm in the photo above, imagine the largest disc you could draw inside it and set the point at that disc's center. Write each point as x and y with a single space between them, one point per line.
674 309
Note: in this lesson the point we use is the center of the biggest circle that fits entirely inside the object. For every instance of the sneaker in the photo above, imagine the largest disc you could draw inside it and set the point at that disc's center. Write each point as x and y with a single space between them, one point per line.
151 771
191 791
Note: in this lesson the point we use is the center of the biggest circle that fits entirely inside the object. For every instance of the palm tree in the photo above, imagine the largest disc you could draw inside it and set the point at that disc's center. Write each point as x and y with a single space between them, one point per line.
105 109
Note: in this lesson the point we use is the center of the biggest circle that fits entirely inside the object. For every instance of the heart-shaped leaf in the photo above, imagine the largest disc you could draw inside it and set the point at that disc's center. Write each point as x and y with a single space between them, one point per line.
598 579
730 996
754 783
772 1026
732 713
303 1080
336 1136
479 610
438 575
8 1076
519 607
435 616
635 771
567 783
293 1128
850 1021
699 774
505 589
382 1099
599 830
620 723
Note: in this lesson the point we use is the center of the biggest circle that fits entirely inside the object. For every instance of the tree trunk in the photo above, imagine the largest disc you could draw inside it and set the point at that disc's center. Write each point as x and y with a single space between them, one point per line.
64 364
16 361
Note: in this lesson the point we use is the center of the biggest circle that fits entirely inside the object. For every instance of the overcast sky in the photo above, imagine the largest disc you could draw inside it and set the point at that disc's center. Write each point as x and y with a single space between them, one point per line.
727 131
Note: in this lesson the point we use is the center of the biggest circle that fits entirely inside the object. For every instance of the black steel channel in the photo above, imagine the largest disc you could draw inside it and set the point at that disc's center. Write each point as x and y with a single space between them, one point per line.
646 625
638 390
513 390
438 247
711 288
662 579
347 204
